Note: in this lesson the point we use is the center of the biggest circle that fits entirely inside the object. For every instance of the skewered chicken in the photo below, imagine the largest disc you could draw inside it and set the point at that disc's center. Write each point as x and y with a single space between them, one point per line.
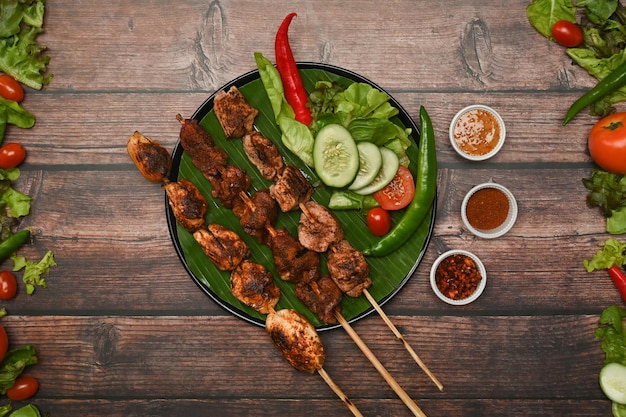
322 297
263 154
318 228
234 113
259 212
348 268
187 203
293 262
253 285
291 189
228 185
296 339
223 246
198 143
151 159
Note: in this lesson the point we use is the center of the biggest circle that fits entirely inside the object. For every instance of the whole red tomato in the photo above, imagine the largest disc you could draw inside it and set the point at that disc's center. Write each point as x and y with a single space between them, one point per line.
25 386
11 155
11 89
607 143
8 285
4 343
567 33
378 221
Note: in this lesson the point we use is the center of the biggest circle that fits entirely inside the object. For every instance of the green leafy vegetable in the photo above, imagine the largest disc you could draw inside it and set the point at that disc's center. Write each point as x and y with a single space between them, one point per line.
348 200
608 193
14 363
613 253
20 55
33 272
543 14
27 411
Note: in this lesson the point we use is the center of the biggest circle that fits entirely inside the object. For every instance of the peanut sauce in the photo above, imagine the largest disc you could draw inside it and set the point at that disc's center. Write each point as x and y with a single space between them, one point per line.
457 276
477 132
487 208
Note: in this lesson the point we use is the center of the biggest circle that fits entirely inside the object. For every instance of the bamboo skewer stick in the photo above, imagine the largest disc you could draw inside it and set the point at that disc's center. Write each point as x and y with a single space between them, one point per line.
380 368
355 411
404 342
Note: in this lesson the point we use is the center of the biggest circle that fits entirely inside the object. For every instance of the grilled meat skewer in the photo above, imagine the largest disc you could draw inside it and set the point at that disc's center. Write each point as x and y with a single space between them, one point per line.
151 159
263 154
348 268
258 213
293 262
198 143
234 113
318 228
322 296
291 188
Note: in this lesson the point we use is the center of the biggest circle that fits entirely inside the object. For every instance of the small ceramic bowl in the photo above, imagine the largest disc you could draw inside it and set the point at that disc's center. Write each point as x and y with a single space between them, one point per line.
477 132
483 215
477 291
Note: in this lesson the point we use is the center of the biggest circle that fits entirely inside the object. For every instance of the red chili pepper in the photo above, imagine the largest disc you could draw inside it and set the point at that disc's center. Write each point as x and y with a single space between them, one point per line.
295 93
619 279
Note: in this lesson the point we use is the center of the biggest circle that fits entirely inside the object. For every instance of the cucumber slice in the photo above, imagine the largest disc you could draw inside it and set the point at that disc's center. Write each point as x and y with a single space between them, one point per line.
335 156
613 382
385 174
370 162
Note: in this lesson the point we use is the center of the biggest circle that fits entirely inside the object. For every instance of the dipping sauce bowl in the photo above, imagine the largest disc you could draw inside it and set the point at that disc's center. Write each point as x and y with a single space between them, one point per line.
477 132
458 277
489 210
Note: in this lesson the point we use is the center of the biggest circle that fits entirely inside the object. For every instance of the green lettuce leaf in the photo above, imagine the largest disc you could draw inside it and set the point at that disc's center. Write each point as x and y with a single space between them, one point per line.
33 272
542 14
613 252
15 361
611 333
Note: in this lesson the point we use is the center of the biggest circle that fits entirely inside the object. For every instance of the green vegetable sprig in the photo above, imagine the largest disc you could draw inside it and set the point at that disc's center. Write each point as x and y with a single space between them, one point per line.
608 193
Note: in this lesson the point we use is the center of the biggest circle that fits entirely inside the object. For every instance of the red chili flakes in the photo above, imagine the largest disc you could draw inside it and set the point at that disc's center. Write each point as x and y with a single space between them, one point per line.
457 276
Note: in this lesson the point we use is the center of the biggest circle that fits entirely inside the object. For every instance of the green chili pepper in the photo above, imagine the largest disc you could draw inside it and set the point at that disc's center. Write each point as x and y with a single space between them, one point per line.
425 192
10 245
612 82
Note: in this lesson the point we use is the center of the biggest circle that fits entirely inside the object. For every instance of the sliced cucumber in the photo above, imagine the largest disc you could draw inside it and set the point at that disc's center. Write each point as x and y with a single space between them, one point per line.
613 382
335 156
385 174
370 162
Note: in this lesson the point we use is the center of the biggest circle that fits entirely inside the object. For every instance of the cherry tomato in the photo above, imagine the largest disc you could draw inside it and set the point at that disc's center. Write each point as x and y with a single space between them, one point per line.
607 143
378 221
11 89
11 155
567 33
4 343
8 285
399 192
25 387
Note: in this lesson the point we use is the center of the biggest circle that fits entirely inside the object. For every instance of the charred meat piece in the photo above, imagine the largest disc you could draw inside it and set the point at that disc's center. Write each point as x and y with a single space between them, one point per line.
228 185
318 227
150 158
253 285
291 189
264 155
196 141
234 113
293 262
322 297
296 338
187 203
223 246
348 268
258 213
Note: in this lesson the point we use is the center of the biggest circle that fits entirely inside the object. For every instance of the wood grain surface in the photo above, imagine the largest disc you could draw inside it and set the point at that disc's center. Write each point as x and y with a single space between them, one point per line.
122 330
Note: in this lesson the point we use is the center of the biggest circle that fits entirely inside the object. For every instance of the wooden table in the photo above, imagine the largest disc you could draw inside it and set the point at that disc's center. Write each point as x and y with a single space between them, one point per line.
122 330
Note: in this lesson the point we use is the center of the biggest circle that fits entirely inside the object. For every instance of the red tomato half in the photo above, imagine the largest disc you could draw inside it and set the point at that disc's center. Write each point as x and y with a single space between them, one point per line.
567 33
607 143
8 285
11 89
11 155
399 192
378 221
25 387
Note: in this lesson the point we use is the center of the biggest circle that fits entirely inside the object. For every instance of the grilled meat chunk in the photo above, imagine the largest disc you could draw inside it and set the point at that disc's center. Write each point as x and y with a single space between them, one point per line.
228 186
187 203
151 159
318 227
296 338
253 285
234 113
258 213
263 154
322 297
223 246
348 268
293 262
198 143
291 189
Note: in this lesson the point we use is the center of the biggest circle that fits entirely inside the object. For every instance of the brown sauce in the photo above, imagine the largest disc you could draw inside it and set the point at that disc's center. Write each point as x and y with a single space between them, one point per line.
487 208
477 132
